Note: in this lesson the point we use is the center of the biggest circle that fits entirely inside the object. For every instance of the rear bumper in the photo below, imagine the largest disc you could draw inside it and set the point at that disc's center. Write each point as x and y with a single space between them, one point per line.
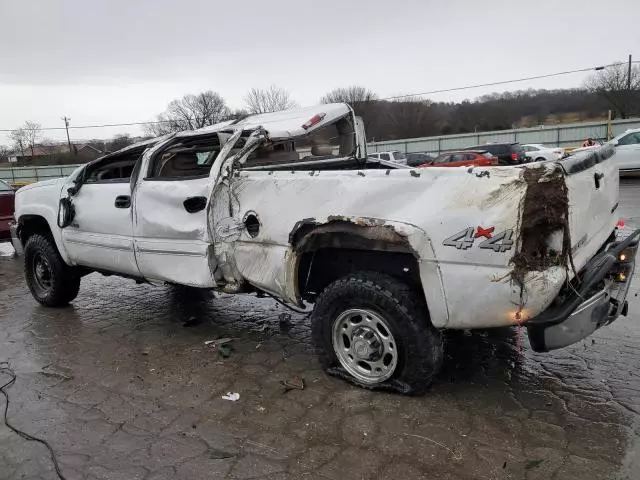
586 305
15 240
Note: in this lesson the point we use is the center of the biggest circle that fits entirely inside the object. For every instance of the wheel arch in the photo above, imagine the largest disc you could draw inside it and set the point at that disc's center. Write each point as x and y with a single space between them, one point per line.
326 251
38 223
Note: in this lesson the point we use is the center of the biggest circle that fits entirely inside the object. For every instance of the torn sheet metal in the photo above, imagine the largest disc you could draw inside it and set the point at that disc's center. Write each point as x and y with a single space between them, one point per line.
417 213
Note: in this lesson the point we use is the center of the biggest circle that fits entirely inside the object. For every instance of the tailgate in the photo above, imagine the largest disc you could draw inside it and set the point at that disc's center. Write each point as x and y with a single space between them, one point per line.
568 212
592 182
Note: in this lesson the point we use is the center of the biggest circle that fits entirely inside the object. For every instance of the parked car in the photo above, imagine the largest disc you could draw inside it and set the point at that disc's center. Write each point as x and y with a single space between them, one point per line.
388 257
536 152
417 159
465 158
392 156
507 153
627 155
6 209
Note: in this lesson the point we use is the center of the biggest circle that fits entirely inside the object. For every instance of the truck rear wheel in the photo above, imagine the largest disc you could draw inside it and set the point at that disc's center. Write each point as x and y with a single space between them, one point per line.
374 331
52 282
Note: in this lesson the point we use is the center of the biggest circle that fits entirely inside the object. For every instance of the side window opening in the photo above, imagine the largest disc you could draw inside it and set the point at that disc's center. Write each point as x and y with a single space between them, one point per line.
117 169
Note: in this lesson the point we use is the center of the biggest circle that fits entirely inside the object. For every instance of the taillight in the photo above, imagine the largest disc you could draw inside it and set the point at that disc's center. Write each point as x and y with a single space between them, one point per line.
514 157
317 118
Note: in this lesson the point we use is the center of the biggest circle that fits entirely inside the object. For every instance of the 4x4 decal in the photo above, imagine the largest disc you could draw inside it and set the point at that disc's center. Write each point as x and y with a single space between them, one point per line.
464 239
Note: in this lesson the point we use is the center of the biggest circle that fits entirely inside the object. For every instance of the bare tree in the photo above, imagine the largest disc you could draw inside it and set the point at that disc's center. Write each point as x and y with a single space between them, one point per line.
4 152
612 84
362 100
19 139
272 99
354 96
190 113
118 142
33 133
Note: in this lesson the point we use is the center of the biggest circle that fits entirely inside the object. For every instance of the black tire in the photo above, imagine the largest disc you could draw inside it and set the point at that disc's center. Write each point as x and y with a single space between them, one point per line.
540 159
62 282
419 344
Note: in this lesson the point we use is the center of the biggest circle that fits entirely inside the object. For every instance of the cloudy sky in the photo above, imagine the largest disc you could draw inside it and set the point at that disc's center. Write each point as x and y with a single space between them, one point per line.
120 61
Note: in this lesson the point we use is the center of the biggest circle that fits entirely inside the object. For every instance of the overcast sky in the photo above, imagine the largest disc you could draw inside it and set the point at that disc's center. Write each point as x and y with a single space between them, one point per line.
122 61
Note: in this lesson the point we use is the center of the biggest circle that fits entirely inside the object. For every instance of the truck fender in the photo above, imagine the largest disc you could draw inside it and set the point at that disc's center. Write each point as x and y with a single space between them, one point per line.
47 213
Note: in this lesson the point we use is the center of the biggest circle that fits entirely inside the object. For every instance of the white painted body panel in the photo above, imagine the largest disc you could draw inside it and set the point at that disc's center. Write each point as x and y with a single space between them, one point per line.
41 199
101 235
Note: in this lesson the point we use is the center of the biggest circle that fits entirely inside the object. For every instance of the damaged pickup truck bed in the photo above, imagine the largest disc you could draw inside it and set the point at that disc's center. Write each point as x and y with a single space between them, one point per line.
389 255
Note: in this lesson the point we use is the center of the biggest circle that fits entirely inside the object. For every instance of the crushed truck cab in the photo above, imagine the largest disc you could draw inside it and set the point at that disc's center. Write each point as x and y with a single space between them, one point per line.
289 204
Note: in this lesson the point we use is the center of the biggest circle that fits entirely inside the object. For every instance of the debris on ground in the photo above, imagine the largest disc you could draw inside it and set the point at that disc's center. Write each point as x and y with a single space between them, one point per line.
284 322
261 328
217 342
55 371
293 383
146 351
532 464
224 351
56 375
232 397
192 322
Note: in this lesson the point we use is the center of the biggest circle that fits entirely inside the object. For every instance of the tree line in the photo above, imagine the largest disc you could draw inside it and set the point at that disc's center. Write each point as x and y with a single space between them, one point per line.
611 89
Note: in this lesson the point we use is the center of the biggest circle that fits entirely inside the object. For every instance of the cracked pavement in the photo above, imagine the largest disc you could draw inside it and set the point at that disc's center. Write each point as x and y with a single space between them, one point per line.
123 387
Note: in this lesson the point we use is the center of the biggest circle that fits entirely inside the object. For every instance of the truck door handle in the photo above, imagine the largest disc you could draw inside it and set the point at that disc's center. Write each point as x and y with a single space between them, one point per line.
596 178
195 204
123 201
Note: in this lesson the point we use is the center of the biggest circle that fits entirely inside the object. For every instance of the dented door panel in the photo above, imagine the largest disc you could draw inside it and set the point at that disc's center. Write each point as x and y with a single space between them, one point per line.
171 243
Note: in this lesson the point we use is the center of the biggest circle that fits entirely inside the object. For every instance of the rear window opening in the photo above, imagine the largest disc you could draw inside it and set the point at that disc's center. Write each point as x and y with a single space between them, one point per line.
188 157
333 141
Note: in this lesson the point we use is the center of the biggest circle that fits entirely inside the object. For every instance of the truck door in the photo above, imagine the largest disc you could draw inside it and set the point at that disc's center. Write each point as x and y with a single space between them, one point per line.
170 198
101 232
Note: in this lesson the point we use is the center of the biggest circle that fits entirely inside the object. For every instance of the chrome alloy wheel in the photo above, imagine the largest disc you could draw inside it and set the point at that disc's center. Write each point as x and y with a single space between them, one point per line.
364 345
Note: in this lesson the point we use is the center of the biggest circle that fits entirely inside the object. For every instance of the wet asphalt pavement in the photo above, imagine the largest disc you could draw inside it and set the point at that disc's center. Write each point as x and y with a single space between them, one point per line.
123 387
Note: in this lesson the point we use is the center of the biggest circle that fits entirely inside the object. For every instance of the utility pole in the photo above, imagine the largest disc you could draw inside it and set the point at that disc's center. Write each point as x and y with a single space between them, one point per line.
629 75
66 126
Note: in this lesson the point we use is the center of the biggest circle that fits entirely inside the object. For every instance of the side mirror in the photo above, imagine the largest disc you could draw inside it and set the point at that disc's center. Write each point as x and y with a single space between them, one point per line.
66 212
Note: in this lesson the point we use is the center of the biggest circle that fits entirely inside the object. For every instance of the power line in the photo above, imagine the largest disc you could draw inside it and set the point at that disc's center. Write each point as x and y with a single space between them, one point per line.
503 82
97 126
432 92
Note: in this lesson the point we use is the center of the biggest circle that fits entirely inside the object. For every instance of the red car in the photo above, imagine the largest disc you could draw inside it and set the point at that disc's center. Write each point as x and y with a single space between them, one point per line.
478 158
6 209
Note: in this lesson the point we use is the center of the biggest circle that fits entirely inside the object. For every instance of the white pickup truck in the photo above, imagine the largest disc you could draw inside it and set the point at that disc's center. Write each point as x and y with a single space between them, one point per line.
389 255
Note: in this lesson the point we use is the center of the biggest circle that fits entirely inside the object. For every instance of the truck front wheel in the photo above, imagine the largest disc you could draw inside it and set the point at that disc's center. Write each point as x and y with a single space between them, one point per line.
374 331
52 282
